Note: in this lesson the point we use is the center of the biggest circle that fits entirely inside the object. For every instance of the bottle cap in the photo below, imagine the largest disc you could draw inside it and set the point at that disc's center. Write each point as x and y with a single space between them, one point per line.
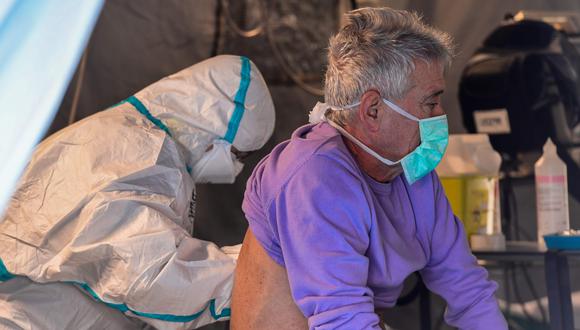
549 146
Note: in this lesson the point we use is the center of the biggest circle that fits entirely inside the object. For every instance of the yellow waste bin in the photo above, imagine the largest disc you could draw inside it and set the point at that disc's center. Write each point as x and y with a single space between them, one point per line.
469 173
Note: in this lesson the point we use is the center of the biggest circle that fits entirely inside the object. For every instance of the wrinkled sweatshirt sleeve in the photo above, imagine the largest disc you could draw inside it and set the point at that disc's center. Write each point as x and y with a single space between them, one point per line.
453 273
322 220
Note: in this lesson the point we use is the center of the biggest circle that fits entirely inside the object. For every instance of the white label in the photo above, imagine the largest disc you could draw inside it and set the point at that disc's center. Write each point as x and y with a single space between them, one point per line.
552 204
494 121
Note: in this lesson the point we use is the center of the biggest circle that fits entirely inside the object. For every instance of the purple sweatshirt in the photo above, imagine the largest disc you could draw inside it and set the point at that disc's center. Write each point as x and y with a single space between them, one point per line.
348 242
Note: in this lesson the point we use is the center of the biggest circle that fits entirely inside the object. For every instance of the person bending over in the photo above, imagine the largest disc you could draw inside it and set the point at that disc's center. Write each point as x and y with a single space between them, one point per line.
106 206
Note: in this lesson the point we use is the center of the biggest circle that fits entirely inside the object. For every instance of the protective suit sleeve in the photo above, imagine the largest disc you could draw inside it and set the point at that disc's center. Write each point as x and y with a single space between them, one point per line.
453 273
323 223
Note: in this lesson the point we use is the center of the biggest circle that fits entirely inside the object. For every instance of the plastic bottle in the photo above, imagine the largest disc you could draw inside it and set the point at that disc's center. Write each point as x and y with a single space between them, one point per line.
483 195
551 193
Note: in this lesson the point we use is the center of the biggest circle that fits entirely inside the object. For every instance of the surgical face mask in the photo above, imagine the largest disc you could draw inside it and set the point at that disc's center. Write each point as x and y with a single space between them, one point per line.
217 165
419 162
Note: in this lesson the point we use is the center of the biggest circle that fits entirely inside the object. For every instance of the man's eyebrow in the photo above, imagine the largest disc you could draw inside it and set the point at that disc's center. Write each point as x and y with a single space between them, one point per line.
432 95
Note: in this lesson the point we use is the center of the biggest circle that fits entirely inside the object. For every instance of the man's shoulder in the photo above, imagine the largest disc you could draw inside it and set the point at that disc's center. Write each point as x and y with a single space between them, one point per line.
313 151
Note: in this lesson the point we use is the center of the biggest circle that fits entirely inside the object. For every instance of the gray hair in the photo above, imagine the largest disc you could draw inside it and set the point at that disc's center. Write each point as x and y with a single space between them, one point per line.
376 49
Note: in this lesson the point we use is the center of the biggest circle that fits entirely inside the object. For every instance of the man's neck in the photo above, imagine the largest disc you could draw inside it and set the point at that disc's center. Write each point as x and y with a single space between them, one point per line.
372 166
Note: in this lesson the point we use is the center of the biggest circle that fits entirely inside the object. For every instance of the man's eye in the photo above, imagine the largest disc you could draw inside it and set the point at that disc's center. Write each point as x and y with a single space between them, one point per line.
432 106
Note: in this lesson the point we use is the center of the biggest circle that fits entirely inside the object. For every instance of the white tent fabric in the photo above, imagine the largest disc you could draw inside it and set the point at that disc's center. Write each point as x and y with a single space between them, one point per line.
40 45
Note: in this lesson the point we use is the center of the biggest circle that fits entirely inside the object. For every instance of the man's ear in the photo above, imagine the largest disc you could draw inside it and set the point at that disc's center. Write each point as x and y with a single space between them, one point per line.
368 111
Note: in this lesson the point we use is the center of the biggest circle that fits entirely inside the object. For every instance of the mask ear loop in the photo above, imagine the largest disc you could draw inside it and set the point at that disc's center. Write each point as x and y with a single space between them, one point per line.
400 111
319 110
317 113
362 145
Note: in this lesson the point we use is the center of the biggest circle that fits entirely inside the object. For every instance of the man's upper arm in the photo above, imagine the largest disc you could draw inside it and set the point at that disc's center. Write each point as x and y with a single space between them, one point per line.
322 220
261 297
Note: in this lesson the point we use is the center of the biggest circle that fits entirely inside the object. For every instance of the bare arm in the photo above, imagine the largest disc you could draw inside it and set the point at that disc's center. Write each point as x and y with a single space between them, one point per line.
261 296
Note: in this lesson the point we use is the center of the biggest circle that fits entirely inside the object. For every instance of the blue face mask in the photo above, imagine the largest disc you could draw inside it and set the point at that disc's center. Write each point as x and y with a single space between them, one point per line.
419 162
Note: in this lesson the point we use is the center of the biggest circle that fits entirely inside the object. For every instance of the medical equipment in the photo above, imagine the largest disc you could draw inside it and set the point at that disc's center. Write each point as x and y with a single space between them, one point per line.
522 87
553 214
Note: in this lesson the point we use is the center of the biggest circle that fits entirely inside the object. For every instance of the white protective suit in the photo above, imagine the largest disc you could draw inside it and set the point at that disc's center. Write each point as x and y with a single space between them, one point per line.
28 305
105 206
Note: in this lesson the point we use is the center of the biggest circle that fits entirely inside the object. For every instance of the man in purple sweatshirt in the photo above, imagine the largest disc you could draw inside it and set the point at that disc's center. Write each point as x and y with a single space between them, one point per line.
350 206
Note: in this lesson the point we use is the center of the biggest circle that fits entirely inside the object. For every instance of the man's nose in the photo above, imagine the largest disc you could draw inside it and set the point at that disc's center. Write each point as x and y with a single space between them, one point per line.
439 111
